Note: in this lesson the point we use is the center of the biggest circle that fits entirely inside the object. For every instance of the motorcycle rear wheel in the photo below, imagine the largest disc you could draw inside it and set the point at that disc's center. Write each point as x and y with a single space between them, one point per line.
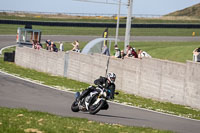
75 107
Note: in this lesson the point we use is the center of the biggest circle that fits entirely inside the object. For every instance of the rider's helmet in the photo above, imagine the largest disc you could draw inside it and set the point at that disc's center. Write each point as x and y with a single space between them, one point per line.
111 77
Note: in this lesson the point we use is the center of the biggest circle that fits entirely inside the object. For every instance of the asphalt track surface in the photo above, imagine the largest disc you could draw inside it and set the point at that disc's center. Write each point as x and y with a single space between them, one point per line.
18 93
10 39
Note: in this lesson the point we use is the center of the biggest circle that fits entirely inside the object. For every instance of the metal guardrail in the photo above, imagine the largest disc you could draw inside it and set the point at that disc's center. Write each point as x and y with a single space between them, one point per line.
109 25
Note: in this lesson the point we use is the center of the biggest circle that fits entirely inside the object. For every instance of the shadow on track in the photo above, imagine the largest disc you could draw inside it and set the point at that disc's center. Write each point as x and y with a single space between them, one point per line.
121 117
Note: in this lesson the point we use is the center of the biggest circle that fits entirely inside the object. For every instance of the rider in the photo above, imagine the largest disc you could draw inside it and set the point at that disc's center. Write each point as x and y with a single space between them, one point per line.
105 82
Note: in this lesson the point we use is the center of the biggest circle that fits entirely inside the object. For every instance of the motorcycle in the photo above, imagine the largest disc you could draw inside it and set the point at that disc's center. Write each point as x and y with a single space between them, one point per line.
93 102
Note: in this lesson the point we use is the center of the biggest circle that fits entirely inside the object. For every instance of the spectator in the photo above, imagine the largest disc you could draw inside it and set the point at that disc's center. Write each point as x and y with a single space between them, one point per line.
142 54
117 52
53 47
38 45
196 55
134 53
76 46
122 54
128 51
61 46
48 44
105 50
34 44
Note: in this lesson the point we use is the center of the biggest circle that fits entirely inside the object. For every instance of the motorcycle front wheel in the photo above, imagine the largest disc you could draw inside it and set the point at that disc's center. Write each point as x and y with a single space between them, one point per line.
93 109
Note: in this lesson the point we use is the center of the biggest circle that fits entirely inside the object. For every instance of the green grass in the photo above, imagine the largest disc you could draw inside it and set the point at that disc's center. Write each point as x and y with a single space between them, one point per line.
56 81
67 45
59 18
22 120
65 83
55 30
161 50
173 51
165 107
189 11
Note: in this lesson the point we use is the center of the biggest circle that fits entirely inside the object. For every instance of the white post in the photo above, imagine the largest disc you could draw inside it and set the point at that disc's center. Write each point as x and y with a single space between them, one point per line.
117 28
128 24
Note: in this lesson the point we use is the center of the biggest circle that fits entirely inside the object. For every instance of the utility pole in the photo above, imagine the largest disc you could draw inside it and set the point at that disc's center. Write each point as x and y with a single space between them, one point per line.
117 28
128 24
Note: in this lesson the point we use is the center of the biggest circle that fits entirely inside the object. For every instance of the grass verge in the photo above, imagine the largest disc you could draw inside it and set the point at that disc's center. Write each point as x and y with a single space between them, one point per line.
22 120
130 99
97 19
93 31
161 50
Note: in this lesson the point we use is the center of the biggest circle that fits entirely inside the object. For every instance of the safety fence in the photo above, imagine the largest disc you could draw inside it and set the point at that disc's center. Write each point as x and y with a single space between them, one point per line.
108 25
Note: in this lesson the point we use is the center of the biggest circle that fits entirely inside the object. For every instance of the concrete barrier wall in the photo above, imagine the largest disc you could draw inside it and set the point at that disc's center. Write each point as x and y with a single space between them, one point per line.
192 84
128 74
151 78
86 68
159 79
41 60
172 82
150 81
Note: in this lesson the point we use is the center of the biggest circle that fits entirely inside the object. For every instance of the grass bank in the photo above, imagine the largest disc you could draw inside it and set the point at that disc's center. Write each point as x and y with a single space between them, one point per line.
55 30
98 19
22 120
161 50
69 84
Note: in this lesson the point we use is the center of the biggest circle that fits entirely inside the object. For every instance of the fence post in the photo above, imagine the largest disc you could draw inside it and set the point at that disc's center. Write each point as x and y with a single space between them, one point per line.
107 66
66 61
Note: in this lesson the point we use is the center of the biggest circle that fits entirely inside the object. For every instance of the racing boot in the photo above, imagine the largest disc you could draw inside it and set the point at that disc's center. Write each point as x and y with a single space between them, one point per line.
83 94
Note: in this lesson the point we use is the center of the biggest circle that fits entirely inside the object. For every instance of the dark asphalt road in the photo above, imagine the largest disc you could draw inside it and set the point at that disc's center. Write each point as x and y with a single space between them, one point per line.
10 39
17 93
7 40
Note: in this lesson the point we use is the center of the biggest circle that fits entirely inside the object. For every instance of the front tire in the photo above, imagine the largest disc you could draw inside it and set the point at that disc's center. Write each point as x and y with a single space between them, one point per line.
75 107
96 108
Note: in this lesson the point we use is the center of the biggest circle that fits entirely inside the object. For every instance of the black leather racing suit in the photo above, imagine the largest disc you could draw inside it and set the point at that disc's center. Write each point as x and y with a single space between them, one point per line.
102 81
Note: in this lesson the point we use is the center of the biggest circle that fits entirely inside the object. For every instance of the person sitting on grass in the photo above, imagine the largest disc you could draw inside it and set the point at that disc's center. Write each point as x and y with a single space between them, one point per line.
76 46
53 47
48 44
142 54
196 55
117 52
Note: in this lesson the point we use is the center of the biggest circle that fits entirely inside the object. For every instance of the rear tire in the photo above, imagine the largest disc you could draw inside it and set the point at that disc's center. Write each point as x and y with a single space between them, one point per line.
75 107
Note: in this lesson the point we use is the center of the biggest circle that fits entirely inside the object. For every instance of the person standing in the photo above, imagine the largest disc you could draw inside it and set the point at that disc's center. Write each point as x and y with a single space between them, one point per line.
105 50
61 48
